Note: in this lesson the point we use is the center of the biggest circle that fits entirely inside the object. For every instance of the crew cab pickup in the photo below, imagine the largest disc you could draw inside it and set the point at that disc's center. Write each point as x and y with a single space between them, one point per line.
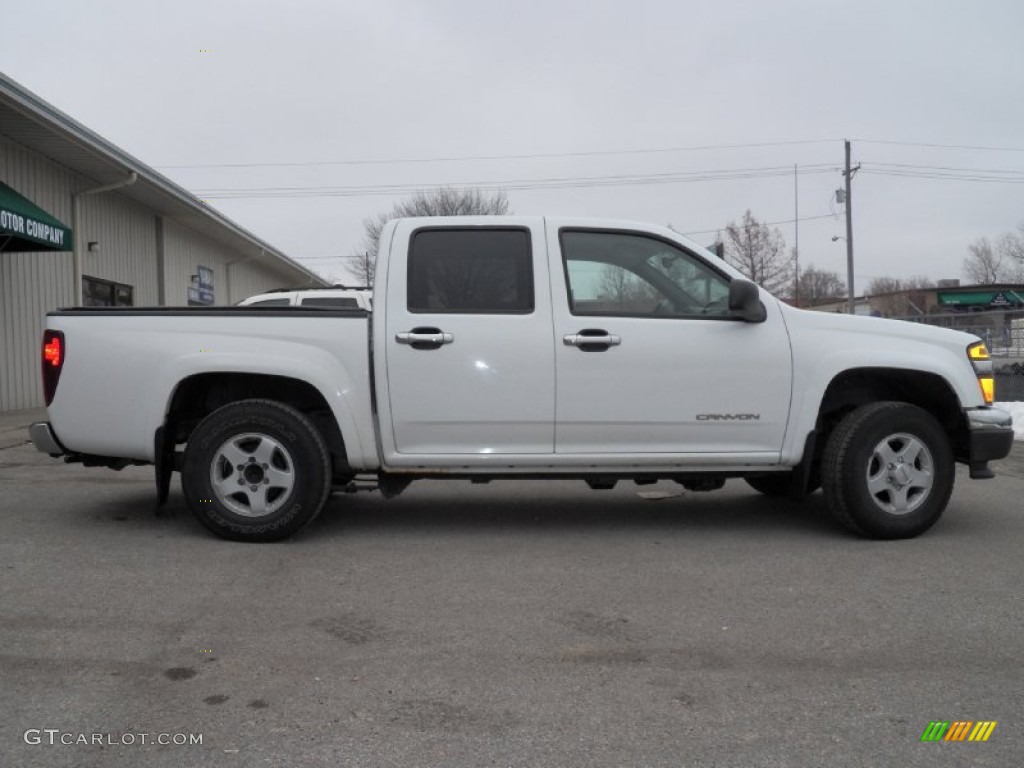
530 348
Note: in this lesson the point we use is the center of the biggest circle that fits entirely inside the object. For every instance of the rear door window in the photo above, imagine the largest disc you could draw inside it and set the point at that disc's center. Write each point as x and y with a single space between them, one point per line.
471 271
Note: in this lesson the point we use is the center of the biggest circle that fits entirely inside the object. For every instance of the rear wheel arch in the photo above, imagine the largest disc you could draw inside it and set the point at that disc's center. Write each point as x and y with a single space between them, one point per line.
197 396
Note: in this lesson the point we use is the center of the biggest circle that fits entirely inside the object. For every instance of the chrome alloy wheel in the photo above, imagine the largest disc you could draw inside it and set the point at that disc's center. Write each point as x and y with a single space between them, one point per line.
252 474
900 474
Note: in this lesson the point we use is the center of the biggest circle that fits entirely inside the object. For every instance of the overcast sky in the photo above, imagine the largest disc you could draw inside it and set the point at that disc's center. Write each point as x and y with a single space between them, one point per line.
601 89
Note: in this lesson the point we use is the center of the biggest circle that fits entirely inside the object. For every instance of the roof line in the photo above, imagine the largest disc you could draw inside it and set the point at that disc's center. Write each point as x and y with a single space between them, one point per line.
38 108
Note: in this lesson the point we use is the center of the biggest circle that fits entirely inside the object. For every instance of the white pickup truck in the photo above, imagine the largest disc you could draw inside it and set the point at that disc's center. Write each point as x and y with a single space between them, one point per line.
530 348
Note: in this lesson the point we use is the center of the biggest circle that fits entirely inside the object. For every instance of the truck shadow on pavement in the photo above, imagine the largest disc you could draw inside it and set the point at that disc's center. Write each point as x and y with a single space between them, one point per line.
448 509
485 510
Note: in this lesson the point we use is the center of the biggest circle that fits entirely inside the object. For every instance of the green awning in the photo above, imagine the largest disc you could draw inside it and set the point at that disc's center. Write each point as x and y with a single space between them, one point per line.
24 226
994 299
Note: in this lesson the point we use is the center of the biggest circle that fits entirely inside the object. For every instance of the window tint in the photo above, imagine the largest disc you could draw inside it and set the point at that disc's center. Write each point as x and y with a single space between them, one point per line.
470 271
610 273
270 303
332 302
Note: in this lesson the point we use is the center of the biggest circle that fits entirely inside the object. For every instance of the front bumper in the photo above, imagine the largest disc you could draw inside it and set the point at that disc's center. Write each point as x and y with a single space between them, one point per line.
990 437
43 438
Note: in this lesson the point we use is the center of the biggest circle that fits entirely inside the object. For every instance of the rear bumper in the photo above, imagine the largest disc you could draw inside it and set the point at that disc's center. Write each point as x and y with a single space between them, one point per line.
44 440
990 437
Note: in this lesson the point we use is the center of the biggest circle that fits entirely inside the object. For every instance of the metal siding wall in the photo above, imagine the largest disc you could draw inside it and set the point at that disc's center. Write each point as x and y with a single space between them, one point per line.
185 250
126 234
249 279
31 284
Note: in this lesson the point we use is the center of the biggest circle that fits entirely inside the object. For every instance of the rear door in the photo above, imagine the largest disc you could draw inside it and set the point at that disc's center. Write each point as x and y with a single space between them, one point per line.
468 339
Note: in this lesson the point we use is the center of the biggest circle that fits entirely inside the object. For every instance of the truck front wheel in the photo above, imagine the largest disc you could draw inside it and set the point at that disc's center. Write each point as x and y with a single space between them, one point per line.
256 470
887 470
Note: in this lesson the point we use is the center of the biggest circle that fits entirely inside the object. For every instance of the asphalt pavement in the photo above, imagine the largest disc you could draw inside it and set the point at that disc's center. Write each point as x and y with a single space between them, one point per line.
510 624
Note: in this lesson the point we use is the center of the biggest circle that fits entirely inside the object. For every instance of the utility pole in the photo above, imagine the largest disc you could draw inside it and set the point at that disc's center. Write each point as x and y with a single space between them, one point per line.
796 239
848 173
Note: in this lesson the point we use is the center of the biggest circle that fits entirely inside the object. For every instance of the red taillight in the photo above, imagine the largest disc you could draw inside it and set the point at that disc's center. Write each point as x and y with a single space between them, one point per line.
53 361
52 351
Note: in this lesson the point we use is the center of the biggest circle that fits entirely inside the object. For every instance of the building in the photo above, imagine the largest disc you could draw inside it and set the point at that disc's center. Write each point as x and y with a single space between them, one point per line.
84 223
948 298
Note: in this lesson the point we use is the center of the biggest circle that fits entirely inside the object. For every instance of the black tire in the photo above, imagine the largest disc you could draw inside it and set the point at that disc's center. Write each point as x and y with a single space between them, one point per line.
888 471
272 454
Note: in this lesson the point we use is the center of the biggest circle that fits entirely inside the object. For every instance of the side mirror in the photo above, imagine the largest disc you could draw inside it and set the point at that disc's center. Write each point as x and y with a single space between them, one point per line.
745 302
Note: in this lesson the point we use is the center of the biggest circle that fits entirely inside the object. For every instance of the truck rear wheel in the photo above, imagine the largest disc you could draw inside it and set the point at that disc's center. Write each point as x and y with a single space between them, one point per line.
888 471
256 470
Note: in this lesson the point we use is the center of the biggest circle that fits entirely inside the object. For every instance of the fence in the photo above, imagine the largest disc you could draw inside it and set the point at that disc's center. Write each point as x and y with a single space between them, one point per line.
1003 333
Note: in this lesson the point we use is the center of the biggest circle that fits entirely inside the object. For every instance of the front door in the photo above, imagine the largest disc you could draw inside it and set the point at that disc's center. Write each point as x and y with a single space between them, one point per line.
648 359
469 340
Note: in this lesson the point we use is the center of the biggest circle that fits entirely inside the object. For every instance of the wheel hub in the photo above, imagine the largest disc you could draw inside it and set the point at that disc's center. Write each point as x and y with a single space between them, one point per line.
900 473
252 474
900 476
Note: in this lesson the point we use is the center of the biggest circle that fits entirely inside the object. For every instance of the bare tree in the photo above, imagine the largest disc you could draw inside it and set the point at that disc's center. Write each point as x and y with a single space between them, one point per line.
893 297
885 296
984 264
443 201
817 285
623 291
759 253
998 262
1011 246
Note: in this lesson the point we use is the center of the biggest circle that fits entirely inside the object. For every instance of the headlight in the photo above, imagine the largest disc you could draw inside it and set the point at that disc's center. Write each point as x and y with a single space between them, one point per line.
977 353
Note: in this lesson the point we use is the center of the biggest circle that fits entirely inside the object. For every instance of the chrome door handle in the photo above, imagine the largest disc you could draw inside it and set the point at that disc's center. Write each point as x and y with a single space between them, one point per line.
591 339
424 338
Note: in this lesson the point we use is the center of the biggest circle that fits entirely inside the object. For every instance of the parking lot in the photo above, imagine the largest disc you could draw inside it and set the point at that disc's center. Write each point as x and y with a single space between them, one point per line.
515 624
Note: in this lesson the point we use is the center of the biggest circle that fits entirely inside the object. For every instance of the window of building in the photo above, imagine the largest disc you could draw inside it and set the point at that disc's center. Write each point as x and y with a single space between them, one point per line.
471 271
105 293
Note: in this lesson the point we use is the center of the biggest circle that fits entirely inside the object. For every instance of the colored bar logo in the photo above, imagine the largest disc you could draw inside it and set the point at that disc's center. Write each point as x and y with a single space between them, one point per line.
958 730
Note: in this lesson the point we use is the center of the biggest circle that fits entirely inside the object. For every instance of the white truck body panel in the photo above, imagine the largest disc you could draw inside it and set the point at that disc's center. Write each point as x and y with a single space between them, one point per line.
829 344
126 368
491 390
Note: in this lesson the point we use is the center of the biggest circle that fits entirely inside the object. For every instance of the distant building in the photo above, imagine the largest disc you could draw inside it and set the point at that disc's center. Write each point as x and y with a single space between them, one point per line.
83 222
942 299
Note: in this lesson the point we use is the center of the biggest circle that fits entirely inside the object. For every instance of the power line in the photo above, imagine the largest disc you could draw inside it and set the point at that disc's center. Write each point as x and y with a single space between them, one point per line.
940 146
517 184
907 174
943 168
766 223
475 158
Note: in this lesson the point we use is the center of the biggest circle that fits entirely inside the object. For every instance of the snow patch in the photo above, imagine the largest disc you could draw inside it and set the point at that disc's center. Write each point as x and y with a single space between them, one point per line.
1017 411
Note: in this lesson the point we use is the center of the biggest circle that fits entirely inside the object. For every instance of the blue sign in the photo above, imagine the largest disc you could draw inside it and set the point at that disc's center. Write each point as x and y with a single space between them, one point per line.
201 291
